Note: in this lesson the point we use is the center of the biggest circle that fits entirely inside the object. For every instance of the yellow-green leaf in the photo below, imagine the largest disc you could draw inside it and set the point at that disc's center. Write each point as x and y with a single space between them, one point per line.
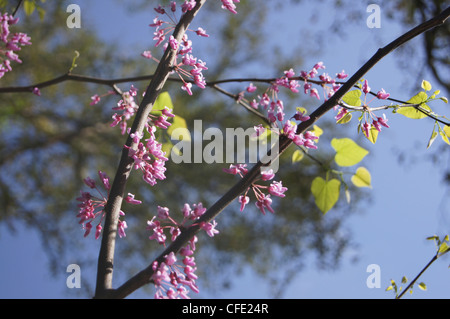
422 286
362 178
432 138
162 101
326 193
373 135
443 248
29 7
345 119
444 137
297 156
411 111
348 153
353 98
178 122
426 85
317 131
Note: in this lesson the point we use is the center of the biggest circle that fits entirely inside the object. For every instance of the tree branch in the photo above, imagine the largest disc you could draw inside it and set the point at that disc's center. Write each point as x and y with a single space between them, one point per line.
144 276
112 208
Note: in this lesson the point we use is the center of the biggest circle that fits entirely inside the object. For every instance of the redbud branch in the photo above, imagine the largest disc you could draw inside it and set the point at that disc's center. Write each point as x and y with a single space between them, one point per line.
112 207
253 174
404 104
17 8
435 257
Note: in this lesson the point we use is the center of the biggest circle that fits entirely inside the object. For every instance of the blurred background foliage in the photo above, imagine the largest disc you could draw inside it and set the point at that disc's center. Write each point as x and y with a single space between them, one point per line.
50 143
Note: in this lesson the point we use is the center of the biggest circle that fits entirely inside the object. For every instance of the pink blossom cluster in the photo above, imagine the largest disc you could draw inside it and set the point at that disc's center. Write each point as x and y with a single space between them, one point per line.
263 200
328 83
12 44
376 121
188 66
170 277
92 207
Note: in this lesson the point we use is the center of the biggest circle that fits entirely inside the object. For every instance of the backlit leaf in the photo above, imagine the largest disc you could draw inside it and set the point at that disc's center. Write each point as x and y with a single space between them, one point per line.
162 101
426 85
326 193
348 153
362 178
353 98
297 156
373 135
412 112
432 138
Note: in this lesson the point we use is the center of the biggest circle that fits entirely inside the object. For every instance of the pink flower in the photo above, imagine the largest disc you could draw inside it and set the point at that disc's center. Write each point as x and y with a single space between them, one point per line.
147 54
163 212
383 121
341 75
188 5
289 73
313 92
121 226
244 200
229 5
201 32
170 259
173 43
98 231
259 129
382 95
277 189
36 91
366 128
366 87
300 116
210 228
319 65
251 88
130 199
187 87
105 179
264 202
289 129
267 175
87 227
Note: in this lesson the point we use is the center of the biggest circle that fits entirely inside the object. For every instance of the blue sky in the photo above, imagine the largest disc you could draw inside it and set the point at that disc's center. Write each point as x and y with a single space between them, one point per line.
408 201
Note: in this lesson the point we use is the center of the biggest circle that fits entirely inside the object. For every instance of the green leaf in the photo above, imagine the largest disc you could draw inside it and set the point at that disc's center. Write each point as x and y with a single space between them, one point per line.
353 98
326 193
362 178
426 85
373 135
412 112
317 131
443 248
404 280
444 137
348 153
445 134
345 119
423 286
29 7
297 156
178 122
162 101
432 138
